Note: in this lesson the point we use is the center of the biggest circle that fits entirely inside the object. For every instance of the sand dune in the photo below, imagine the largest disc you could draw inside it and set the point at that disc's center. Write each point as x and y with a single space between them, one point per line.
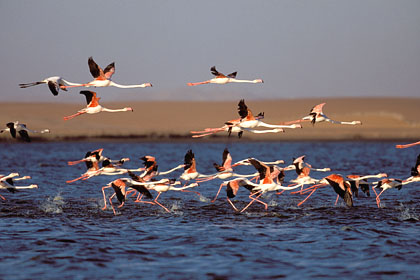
382 118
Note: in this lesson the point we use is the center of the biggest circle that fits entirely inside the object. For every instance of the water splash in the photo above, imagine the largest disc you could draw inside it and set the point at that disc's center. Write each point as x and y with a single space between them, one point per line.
53 205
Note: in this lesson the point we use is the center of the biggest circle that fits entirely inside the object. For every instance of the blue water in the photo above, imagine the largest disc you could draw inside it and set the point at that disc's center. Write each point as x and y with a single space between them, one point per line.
59 230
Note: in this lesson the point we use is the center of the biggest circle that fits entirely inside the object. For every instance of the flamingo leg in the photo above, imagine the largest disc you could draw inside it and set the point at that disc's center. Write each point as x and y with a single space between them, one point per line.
378 200
75 162
255 199
73 116
300 203
197 193
336 200
2 197
103 192
231 203
221 185
198 83
139 197
110 202
166 209
279 193
74 180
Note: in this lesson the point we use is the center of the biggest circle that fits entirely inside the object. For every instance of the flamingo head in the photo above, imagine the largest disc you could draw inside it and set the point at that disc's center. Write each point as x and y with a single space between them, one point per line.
356 122
258 81
148 85
129 109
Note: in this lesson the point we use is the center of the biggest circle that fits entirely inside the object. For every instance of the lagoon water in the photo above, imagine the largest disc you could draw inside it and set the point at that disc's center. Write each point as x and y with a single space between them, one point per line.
60 231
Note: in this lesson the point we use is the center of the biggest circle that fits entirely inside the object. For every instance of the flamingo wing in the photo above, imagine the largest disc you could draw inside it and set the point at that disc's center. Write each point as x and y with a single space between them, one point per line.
109 70
216 73
54 88
232 75
12 129
88 94
227 159
143 190
94 69
119 188
242 109
263 169
25 136
317 108
189 160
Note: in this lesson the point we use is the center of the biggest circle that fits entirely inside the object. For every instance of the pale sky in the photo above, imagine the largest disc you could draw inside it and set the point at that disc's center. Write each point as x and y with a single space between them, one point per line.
355 48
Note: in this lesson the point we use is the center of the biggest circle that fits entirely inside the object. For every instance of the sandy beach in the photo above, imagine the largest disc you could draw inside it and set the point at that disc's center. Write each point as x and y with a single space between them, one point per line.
382 119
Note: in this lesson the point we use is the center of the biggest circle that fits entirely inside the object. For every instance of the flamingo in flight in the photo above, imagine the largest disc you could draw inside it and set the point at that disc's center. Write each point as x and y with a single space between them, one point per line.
21 128
93 106
316 115
225 170
102 78
338 183
7 183
222 79
120 191
407 145
246 122
54 84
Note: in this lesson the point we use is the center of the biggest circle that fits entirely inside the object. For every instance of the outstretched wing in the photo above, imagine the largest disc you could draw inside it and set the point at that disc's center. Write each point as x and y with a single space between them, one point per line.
54 88
189 160
25 136
317 108
109 70
12 129
232 75
89 95
215 72
262 168
117 185
242 109
143 190
94 68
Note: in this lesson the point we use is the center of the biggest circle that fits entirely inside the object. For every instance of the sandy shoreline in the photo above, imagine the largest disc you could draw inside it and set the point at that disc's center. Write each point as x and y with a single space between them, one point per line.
382 118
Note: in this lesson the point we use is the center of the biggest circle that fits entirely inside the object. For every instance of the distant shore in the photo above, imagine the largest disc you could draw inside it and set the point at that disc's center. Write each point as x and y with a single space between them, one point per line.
383 119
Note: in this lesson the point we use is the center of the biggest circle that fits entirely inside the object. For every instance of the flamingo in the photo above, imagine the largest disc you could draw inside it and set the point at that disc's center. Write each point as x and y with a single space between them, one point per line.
385 184
246 122
150 167
224 79
359 181
337 182
54 84
266 184
303 172
316 115
407 145
93 106
225 170
120 191
7 183
21 128
102 78
190 171
415 171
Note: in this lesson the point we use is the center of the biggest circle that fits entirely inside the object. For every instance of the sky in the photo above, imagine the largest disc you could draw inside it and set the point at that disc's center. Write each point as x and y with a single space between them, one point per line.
301 49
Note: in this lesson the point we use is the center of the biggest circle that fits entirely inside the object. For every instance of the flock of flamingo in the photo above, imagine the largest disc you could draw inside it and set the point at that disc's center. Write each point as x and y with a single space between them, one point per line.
268 176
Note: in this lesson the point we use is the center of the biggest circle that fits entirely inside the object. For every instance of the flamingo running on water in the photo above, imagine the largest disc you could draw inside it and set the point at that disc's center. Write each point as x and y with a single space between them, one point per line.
316 115
102 78
93 106
54 84
224 79
21 128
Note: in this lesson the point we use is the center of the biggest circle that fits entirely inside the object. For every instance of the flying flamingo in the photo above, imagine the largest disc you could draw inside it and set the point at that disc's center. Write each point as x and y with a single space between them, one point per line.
224 171
102 78
316 115
407 145
190 171
93 106
7 183
54 84
21 128
303 170
266 184
338 183
224 79
120 191
246 122
360 182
